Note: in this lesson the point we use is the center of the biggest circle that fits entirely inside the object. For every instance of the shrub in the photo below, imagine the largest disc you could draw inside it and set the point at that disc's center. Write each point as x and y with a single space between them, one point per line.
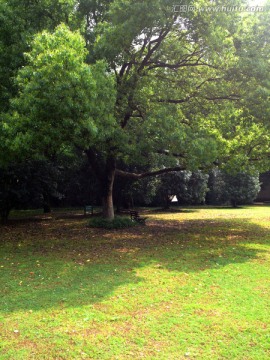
238 189
118 222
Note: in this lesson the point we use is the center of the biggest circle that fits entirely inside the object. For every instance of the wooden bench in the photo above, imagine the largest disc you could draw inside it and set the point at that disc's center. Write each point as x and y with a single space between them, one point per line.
88 209
134 215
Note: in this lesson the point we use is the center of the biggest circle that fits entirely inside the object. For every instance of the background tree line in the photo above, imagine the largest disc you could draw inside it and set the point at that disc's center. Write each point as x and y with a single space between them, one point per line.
40 184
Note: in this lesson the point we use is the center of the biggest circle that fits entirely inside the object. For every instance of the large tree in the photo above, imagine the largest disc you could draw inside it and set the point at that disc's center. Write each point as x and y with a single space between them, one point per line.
164 89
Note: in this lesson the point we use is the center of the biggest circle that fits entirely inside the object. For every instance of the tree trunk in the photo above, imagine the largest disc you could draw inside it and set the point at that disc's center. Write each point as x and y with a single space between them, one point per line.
4 215
107 189
108 210
105 174
46 208
167 202
46 203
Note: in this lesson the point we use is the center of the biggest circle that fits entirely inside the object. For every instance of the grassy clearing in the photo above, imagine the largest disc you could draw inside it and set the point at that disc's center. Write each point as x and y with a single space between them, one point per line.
193 284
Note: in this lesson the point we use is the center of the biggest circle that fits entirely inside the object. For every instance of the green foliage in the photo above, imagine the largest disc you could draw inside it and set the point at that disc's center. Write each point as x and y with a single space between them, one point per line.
119 222
19 21
61 96
130 192
192 189
174 93
143 191
241 188
189 187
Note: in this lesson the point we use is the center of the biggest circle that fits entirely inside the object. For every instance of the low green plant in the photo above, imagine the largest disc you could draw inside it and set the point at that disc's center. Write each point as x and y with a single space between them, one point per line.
119 222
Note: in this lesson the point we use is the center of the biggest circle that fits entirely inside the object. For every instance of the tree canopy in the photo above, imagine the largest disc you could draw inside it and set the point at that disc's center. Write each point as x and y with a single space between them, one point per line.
134 83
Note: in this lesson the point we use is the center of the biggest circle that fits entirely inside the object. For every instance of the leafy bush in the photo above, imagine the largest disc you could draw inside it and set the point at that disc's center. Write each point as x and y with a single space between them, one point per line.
118 222
238 189
189 188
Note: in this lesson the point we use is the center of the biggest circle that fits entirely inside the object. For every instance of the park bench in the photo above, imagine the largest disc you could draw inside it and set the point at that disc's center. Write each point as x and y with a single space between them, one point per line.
88 209
134 215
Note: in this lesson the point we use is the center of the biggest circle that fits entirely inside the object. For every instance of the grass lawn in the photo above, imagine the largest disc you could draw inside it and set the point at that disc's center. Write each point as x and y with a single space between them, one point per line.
193 284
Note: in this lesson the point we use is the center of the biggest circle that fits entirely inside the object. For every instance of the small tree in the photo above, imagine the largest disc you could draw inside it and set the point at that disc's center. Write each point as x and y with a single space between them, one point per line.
195 189
170 185
241 188
189 187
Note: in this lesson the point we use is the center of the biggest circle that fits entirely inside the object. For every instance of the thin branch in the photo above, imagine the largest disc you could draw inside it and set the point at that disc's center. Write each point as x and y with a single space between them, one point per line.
252 147
232 97
152 49
174 101
179 65
139 113
123 69
208 80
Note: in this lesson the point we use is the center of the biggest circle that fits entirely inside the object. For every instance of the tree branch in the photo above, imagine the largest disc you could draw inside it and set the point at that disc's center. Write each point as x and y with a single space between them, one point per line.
127 116
185 62
148 173
174 101
152 49
232 97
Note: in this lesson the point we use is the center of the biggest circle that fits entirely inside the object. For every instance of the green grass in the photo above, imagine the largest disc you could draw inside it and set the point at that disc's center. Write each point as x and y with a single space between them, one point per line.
192 284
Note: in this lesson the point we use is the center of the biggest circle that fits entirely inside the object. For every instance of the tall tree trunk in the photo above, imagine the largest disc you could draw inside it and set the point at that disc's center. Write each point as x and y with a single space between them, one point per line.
4 215
108 210
105 174
107 189
46 203
167 201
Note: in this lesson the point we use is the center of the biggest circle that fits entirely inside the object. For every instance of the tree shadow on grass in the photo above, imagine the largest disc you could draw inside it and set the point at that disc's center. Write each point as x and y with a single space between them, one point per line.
70 265
198 245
